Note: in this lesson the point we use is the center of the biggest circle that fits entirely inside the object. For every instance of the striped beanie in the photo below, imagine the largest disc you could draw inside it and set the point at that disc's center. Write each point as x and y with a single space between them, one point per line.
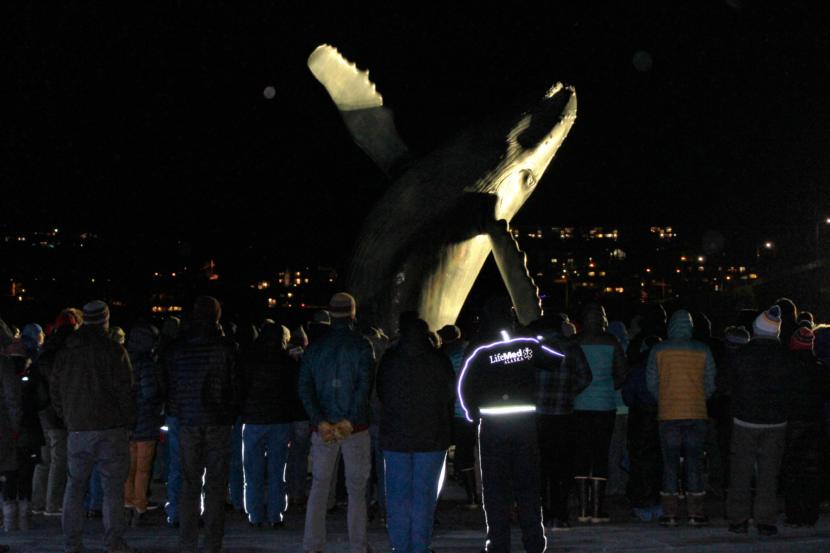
96 312
342 305
802 339
768 323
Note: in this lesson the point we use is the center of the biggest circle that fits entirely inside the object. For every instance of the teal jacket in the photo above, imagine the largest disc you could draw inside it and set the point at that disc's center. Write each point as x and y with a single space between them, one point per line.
336 377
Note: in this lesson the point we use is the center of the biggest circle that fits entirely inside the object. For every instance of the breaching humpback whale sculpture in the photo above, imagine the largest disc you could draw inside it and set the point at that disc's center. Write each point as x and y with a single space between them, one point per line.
426 240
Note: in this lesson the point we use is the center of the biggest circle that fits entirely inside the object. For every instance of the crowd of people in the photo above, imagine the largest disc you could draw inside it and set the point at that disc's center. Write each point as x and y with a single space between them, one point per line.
530 415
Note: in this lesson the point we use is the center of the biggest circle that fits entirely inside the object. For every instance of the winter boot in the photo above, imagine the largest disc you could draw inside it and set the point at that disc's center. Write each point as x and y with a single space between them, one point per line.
10 516
24 516
598 512
583 492
669 503
694 504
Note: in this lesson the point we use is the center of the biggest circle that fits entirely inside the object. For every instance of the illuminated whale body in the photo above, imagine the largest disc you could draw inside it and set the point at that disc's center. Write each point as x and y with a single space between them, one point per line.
426 240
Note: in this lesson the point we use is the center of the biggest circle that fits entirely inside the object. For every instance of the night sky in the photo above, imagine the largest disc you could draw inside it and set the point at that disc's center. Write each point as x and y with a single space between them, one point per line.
153 121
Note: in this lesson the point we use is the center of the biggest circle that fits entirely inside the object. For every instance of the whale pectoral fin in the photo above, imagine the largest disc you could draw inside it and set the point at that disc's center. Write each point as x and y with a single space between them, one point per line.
512 264
370 123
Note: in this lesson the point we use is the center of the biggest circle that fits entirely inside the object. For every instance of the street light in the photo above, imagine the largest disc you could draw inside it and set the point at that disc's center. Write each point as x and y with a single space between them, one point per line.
769 245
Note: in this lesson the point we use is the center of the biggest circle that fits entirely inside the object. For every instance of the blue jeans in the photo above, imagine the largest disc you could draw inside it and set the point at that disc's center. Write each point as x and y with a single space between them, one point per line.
235 478
682 437
265 444
94 498
413 483
174 469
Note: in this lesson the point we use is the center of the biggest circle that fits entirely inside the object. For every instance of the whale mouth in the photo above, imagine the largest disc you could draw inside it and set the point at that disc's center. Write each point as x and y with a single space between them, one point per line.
544 116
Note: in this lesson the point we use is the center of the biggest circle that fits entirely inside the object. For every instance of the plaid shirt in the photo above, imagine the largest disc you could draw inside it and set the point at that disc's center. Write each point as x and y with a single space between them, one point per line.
558 388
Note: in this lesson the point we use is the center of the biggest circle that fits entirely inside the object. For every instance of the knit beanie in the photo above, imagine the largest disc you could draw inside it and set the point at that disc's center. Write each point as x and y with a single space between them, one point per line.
736 335
322 317
342 306
96 313
802 339
768 323
207 309
449 334
32 331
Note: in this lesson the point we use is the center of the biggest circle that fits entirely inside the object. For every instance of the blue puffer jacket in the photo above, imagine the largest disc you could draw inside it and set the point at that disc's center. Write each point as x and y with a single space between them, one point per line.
335 377
148 398
203 385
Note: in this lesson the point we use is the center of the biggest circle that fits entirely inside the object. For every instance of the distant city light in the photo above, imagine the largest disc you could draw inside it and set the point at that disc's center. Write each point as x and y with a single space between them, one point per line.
769 245
700 259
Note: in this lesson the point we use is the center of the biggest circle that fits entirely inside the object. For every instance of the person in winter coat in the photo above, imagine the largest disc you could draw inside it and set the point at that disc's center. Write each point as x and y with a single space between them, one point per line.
761 376
270 406
498 389
11 415
50 476
92 390
149 402
463 431
203 397
17 494
681 375
557 389
11 420
643 438
415 387
335 383
804 467
595 410
297 464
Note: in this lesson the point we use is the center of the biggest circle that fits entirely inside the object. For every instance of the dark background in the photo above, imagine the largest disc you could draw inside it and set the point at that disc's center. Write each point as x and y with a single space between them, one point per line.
149 123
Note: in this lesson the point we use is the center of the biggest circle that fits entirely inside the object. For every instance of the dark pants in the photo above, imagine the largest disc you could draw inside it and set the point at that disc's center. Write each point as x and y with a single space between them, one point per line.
751 446
204 450
557 439
646 470
594 430
509 450
804 470
683 437
110 451
464 435
19 482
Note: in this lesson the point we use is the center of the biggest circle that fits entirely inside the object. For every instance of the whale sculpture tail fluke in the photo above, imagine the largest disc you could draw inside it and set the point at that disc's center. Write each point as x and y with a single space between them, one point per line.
360 104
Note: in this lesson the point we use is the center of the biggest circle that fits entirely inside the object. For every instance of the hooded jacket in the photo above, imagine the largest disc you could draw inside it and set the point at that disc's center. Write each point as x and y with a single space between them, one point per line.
416 390
91 384
681 372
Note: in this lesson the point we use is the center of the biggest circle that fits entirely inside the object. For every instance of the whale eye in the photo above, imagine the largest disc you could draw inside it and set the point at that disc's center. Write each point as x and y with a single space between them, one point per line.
527 178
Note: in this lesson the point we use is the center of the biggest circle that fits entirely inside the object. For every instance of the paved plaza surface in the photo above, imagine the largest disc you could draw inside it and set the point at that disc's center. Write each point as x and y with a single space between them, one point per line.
457 531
